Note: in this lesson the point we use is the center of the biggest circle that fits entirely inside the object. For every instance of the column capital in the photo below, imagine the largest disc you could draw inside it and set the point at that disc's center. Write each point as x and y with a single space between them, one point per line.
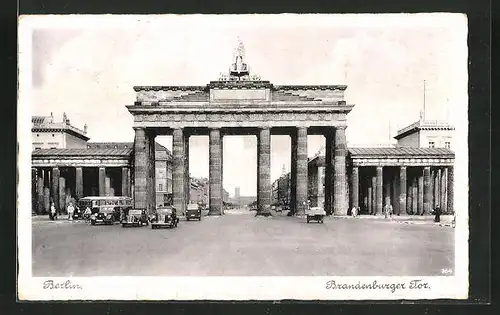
341 127
403 167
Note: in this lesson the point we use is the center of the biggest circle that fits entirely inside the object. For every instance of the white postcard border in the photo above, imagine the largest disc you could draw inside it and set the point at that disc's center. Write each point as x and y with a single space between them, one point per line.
233 288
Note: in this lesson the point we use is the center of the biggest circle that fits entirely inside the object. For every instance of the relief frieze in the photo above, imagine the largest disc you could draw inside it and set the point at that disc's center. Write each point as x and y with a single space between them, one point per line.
242 117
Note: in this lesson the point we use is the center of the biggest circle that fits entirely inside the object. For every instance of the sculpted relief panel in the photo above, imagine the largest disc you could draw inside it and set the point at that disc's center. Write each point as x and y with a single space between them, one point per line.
326 95
238 94
160 95
207 119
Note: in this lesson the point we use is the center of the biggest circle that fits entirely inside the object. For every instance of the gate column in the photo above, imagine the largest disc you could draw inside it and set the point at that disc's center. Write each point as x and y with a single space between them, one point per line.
151 183
355 186
427 190
39 191
402 190
141 153
264 172
125 181
55 188
339 186
79 182
451 193
329 171
215 179
301 173
293 173
443 191
178 170
102 181
378 190
420 194
187 179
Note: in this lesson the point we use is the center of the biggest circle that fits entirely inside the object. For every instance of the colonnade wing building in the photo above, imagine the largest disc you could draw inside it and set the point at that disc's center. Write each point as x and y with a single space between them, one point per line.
242 104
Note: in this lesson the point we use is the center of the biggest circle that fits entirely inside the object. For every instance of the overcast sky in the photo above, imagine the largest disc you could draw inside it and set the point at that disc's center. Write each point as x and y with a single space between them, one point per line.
87 67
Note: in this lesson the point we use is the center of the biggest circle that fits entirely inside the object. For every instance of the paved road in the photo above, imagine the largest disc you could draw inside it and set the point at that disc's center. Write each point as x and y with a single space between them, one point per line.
239 244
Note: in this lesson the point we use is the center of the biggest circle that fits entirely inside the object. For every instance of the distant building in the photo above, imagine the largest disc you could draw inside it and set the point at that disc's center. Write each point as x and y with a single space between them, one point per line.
426 134
280 194
198 192
49 134
163 165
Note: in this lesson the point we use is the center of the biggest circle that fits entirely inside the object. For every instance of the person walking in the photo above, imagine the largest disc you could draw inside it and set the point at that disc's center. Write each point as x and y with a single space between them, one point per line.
71 210
53 212
388 210
354 212
437 215
87 214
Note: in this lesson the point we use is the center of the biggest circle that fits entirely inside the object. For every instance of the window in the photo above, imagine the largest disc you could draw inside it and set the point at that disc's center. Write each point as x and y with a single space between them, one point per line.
53 147
431 144
160 187
37 135
447 144
37 148
52 135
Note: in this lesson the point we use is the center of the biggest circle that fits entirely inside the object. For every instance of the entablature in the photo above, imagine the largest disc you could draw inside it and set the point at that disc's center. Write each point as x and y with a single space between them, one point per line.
402 162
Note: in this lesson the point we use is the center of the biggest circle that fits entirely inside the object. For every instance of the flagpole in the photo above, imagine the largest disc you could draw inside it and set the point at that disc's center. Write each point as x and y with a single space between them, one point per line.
423 116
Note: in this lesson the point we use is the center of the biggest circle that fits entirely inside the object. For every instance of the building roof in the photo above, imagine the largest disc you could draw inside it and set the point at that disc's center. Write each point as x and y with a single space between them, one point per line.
47 124
400 151
423 125
110 145
82 152
121 145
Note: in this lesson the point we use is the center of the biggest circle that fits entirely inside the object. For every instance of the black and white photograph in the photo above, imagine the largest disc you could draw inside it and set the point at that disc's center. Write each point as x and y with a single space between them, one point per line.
243 157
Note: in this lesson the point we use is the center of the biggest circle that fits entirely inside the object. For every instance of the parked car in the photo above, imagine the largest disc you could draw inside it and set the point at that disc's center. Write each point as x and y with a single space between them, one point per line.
193 211
165 216
104 215
315 214
135 217
77 214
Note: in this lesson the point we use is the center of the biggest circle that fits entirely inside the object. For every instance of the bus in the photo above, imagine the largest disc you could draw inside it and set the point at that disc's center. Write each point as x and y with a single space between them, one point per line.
94 203
97 202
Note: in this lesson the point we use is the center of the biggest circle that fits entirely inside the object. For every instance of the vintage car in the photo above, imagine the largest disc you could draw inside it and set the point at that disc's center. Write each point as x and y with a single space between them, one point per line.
165 216
193 211
105 215
315 214
134 217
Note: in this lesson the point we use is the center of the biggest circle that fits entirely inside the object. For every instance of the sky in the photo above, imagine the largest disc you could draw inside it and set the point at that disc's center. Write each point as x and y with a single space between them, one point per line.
87 67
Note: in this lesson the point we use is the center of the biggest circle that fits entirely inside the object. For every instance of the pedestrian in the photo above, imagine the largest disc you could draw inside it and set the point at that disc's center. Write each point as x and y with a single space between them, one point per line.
388 210
354 212
53 213
71 210
437 214
87 214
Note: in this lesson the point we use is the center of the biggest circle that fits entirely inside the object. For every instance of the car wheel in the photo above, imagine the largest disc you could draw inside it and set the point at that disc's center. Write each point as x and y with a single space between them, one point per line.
199 219
124 225
92 222
187 219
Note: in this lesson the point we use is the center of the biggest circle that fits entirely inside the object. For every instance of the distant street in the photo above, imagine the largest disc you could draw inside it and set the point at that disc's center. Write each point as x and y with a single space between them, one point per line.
240 244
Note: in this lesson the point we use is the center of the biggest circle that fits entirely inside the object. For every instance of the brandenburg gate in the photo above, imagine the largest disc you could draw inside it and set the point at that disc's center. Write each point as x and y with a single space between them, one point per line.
241 104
